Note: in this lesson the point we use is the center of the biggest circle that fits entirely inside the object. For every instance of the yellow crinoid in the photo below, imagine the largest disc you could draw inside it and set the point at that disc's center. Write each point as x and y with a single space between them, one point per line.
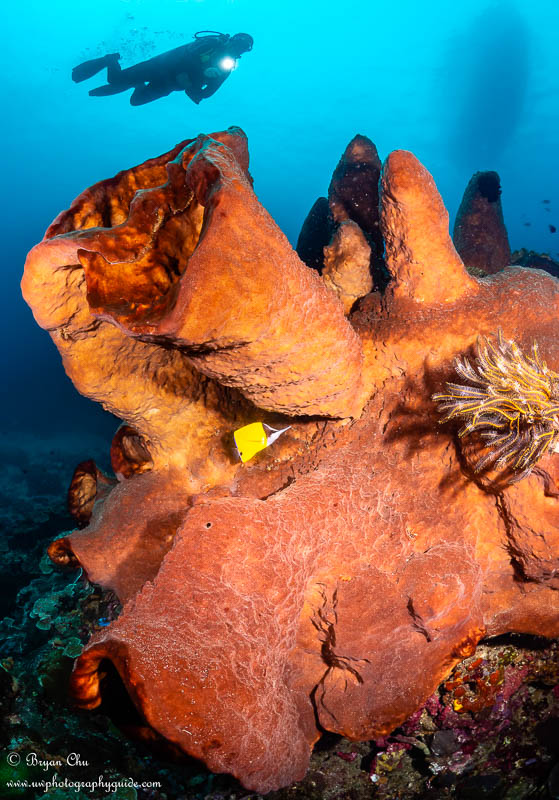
510 399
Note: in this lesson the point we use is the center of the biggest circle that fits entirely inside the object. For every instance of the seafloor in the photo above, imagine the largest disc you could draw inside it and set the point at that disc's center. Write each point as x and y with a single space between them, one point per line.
490 731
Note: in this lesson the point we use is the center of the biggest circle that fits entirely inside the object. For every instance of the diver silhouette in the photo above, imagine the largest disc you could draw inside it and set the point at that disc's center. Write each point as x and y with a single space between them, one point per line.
198 69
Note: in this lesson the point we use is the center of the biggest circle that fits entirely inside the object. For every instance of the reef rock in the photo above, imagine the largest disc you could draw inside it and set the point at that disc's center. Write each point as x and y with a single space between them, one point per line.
336 580
528 258
480 235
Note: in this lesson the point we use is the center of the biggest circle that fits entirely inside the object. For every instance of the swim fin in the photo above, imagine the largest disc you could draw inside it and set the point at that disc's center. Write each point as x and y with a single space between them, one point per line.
110 88
90 68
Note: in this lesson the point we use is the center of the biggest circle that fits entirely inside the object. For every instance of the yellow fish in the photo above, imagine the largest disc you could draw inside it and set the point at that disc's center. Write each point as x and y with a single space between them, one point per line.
251 439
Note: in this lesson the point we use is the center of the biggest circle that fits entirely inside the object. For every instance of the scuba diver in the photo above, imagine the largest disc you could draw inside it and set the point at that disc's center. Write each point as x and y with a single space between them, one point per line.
198 68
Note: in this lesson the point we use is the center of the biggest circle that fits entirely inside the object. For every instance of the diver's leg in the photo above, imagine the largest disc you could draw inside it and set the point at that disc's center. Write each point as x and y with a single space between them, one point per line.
145 93
117 79
110 88
185 82
114 70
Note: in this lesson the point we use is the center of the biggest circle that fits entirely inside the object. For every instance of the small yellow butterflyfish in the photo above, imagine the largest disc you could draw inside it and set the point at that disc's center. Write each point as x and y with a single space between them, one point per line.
251 439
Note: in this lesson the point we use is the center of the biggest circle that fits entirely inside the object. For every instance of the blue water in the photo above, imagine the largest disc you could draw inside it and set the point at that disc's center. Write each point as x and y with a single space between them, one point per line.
468 89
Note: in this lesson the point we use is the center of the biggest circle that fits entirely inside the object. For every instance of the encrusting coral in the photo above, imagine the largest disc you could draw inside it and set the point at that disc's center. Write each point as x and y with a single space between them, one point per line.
335 579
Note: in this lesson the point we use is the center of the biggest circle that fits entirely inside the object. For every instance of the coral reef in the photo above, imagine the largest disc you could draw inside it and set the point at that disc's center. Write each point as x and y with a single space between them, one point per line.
34 476
332 582
527 258
492 724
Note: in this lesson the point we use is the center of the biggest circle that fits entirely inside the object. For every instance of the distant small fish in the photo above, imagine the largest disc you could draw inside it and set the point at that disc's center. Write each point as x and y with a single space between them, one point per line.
527 224
546 201
552 228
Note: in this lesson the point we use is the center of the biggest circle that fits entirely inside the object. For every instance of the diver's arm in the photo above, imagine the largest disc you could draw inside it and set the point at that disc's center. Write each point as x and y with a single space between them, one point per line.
194 95
212 85
198 93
